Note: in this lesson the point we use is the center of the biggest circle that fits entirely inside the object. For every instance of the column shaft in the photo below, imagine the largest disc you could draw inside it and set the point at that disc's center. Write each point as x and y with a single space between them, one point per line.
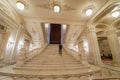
114 45
94 47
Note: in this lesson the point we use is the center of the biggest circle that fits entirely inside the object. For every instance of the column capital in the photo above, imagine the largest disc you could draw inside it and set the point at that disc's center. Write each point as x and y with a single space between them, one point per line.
110 31
89 30
92 30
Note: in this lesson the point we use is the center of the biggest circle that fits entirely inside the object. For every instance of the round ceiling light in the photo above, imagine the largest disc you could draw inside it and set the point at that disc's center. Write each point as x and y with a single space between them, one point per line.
115 14
89 12
20 6
56 8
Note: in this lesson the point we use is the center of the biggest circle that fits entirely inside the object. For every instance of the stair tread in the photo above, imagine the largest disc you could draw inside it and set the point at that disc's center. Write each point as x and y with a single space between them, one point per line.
50 59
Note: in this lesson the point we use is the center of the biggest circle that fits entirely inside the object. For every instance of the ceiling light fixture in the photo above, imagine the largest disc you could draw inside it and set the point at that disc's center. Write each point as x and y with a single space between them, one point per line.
115 14
89 12
20 6
56 5
56 8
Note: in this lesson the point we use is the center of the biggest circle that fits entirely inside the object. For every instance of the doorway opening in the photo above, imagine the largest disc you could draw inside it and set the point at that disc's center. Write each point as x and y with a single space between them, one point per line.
55 34
105 50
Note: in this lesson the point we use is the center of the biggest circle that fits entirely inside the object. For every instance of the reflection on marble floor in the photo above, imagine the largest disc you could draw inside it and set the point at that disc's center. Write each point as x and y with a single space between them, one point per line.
111 63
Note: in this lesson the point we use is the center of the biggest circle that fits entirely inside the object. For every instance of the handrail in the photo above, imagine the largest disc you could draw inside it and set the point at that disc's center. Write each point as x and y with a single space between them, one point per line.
76 56
114 68
34 52
109 68
25 55
30 74
106 78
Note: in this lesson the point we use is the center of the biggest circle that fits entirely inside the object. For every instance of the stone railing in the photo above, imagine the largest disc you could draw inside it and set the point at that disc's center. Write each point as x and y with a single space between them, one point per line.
33 53
107 78
108 73
75 55
26 55
30 76
38 75
80 57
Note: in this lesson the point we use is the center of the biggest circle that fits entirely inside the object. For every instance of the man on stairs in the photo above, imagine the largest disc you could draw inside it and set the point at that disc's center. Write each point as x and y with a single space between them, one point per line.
60 49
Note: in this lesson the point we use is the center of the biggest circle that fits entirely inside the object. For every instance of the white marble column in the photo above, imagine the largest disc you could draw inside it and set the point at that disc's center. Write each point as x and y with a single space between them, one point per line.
94 46
114 44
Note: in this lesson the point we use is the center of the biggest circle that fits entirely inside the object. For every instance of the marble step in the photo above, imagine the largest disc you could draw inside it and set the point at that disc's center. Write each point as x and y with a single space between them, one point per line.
53 53
69 78
54 65
53 62
63 55
38 63
54 68
53 58
56 54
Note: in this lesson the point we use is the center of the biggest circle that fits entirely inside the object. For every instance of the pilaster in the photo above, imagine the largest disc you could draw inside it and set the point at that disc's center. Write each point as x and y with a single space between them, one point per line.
94 46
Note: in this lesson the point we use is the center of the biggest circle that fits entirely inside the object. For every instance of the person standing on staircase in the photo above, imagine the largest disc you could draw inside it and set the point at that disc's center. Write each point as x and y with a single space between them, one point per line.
60 49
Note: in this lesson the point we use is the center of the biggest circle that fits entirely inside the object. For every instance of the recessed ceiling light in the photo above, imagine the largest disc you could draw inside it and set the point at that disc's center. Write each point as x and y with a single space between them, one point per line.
20 5
115 14
56 8
89 12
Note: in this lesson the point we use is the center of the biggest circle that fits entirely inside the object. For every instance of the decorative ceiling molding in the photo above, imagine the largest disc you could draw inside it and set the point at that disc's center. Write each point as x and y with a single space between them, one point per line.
4 8
57 21
90 6
24 2
49 5
106 9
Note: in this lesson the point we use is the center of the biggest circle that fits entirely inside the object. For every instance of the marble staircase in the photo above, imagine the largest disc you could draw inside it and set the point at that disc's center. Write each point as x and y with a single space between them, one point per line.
49 65
50 59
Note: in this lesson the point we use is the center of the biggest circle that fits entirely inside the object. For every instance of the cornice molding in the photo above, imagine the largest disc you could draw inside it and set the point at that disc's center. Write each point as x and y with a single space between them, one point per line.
7 21
115 22
54 20
102 24
8 15
104 10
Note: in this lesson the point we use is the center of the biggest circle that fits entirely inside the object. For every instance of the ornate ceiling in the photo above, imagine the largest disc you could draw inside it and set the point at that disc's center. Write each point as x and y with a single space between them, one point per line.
71 10
72 13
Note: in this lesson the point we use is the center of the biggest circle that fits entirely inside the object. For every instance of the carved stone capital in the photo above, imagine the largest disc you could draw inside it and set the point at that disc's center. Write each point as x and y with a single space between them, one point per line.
111 31
91 30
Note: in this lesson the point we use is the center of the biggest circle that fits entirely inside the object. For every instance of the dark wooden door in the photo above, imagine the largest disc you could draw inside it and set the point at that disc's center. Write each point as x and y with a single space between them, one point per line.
55 34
